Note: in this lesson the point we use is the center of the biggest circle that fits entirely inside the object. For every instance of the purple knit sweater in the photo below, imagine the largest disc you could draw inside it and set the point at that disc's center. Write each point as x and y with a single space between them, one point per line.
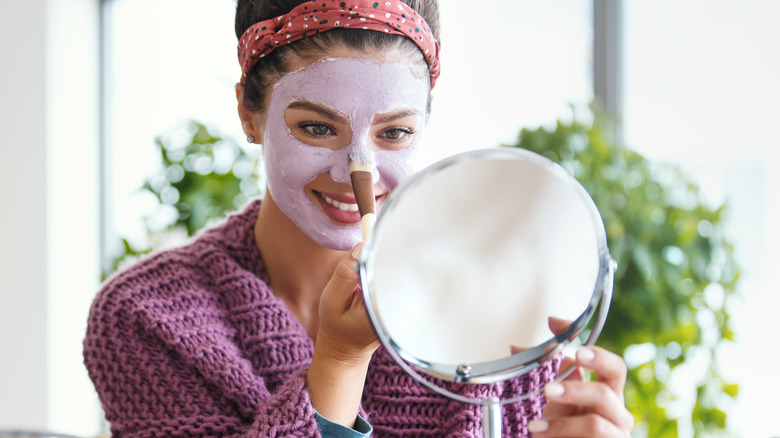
192 342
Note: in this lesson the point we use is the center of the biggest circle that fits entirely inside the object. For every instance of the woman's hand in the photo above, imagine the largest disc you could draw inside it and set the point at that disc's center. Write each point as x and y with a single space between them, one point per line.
345 342
345 330
578 408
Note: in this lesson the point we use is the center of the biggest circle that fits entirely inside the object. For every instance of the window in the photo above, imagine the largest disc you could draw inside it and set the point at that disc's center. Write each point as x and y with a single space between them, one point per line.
166 61
514 64
701 91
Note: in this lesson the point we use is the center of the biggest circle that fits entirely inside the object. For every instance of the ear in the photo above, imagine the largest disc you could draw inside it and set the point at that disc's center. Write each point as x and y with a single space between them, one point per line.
250 121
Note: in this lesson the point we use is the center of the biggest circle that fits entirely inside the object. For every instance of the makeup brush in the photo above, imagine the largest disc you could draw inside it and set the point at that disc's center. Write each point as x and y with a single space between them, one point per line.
361 172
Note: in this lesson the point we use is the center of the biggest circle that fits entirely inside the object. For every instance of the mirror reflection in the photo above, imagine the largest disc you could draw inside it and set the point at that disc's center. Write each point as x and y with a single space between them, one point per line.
482 256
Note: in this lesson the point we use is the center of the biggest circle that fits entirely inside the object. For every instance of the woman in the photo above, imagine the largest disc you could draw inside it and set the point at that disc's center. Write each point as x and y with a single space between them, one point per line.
257 328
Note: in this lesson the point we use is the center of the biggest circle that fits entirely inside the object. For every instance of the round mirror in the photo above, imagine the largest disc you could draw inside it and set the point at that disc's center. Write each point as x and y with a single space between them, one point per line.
483 251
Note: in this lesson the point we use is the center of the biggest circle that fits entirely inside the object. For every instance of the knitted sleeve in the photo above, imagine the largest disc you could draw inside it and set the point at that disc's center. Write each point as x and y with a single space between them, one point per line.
400 407
165 359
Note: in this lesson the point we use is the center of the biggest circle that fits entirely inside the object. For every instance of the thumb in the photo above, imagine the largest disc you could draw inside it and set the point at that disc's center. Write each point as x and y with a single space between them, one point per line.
345 279
514 349
558 325
569 363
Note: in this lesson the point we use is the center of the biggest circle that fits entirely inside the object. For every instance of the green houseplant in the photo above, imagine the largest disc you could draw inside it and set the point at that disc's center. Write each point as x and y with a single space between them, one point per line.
202 177
675 268
675 273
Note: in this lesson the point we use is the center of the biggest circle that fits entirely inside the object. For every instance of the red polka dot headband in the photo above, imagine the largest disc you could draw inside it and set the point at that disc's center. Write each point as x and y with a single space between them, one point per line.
317 16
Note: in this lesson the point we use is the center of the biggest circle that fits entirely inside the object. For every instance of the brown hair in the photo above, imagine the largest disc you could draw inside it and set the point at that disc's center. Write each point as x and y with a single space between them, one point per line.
275 65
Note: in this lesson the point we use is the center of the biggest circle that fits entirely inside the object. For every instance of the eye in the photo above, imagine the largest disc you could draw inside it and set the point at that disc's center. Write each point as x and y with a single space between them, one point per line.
316 129
396 134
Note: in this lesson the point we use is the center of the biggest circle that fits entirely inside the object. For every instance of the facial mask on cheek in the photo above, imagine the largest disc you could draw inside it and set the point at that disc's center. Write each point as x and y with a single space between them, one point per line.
360 89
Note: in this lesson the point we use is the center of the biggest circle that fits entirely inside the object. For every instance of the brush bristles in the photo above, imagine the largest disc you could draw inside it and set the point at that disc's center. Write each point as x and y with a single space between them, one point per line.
358 166
361 160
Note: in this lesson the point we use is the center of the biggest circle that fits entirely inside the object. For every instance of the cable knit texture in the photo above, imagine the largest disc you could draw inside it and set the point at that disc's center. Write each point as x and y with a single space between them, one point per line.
192 342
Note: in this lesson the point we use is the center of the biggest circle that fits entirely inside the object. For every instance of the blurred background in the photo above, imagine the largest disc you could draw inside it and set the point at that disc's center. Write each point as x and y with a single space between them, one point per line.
87 86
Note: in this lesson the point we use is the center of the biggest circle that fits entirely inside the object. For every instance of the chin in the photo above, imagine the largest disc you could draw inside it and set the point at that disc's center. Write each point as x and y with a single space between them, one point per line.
337 241
326 234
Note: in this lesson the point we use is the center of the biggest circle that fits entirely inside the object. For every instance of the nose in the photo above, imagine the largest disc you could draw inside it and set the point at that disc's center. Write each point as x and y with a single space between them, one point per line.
360 149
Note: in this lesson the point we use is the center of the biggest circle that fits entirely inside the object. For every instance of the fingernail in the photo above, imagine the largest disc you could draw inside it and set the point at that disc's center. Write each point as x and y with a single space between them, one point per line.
553 389
537 426
356 252
585 355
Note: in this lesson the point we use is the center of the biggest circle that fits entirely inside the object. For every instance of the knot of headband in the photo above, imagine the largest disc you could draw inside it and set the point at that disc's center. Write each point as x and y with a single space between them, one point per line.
317 16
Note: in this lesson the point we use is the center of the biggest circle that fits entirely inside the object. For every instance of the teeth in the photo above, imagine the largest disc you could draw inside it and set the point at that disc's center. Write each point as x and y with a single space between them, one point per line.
343 206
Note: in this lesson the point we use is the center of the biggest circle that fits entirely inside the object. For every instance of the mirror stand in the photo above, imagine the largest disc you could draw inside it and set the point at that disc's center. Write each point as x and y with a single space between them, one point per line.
491 418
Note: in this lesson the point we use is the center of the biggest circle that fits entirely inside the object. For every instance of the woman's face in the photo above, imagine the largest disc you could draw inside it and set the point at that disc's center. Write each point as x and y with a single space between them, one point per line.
318 116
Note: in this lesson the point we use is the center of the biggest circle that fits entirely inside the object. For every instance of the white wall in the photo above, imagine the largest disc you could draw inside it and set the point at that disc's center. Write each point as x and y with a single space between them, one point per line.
23 214
49 189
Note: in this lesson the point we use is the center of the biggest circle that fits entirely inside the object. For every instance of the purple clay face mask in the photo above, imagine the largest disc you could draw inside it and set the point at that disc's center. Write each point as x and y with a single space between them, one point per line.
359 89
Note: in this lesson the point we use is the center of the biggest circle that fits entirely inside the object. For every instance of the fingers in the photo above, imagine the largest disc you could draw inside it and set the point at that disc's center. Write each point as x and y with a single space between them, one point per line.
345 271
345 332
568 397
341 287
588 425
588 408
610 368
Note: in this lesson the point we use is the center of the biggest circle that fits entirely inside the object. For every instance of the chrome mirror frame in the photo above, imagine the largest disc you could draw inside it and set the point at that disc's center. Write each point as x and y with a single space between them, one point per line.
516 364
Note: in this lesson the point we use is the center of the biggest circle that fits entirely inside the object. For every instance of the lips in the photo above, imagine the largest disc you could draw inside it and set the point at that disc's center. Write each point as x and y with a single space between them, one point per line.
343 206
341 209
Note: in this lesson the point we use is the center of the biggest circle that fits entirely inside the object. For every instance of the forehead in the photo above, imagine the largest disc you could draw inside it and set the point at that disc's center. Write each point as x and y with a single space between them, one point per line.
354 86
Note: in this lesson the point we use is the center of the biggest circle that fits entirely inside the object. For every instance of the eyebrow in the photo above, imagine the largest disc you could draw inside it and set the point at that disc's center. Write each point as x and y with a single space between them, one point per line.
319 109
386 118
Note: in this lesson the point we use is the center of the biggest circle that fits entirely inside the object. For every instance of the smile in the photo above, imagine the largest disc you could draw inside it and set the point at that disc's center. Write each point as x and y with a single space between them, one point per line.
343 206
